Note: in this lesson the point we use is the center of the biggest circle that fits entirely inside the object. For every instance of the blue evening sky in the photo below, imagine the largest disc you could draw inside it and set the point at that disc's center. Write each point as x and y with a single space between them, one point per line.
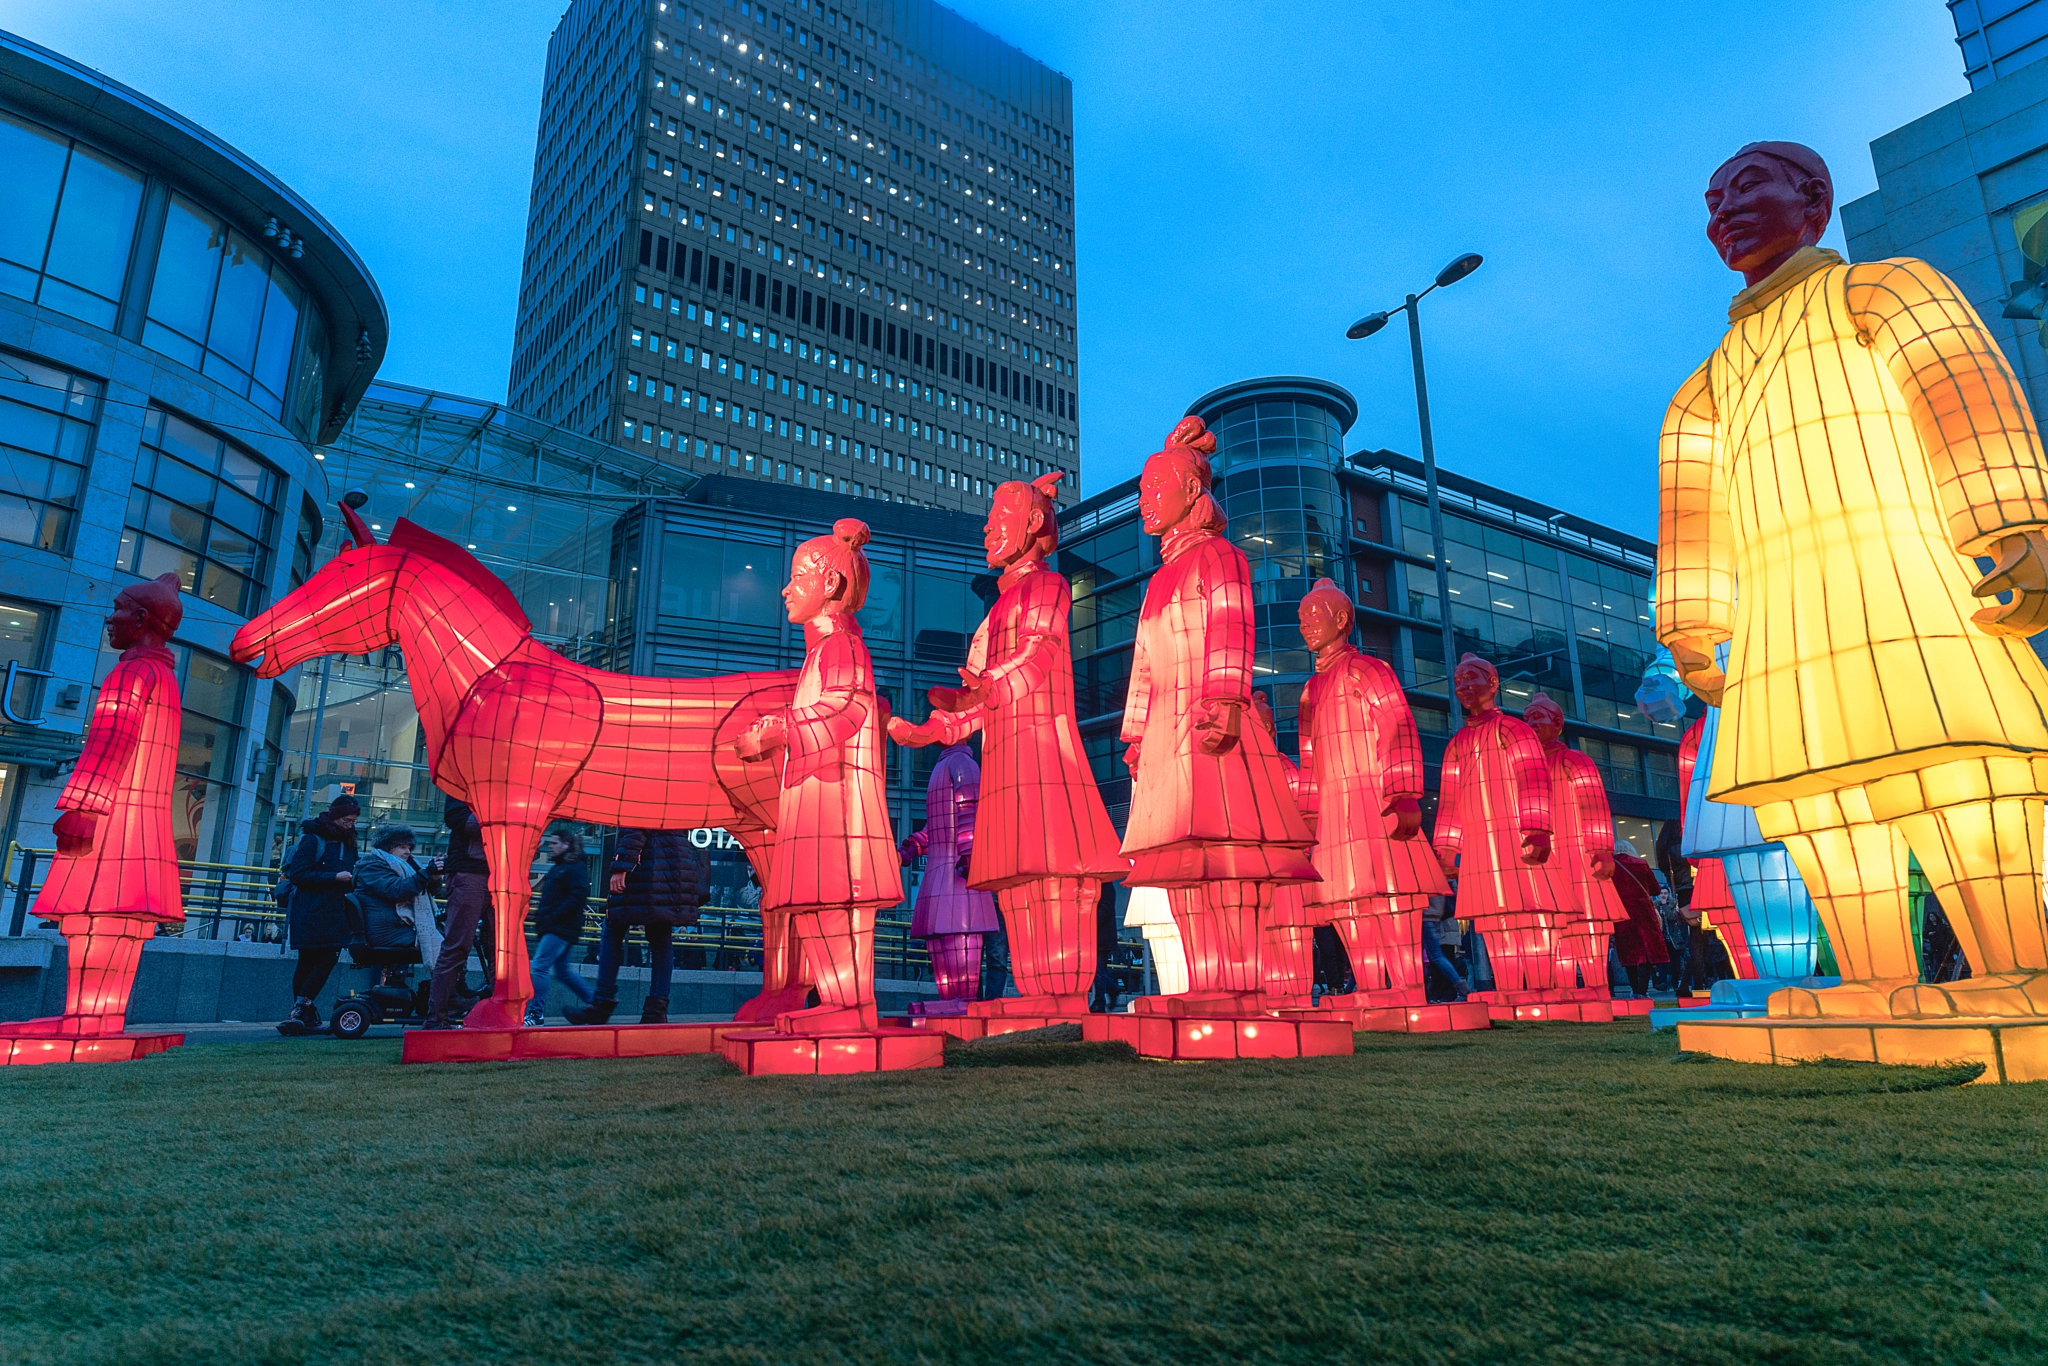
1251 177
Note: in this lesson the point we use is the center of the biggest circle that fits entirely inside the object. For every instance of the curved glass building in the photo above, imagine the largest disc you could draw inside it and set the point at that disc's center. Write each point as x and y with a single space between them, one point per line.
178 331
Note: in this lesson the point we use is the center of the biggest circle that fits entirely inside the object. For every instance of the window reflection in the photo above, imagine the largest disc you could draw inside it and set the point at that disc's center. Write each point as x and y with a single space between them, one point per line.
67 222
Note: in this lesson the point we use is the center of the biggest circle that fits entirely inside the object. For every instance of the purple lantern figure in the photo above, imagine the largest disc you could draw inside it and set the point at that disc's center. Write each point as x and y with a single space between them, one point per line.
950 917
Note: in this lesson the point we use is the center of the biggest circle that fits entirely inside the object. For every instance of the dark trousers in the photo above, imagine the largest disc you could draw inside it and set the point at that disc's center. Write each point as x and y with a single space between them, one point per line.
611 955
312 972
469 904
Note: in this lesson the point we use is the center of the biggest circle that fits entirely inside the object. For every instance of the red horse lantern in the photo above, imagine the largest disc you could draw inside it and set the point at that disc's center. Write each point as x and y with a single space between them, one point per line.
524 735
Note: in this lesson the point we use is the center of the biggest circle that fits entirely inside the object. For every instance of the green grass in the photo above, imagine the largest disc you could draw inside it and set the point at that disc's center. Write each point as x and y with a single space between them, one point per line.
1551 1194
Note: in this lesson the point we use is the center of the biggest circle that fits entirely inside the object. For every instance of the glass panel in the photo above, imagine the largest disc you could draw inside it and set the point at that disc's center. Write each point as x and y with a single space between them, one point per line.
95 223
182 295
32 168
238 304
280 326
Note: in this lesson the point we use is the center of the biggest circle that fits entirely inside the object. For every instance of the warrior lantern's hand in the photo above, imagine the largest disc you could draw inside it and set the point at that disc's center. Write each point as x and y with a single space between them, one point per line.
1447 859
1600 864
1697 670
1406 814
2022 570
1535 846
903 733
1218 723
762 739
74 831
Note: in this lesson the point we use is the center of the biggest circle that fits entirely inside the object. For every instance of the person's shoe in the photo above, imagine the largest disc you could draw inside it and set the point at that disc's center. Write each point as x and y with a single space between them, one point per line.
305 1013
596 1013
440 1024
654 1010
535 1017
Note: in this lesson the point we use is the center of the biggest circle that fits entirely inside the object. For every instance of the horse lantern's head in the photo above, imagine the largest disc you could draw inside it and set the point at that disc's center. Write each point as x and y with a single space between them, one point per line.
345 609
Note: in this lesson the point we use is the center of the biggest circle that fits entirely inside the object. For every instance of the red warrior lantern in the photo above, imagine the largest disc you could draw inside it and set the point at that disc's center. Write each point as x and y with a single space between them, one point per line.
1493 833
1358 739
1043 842
1212 819
115 878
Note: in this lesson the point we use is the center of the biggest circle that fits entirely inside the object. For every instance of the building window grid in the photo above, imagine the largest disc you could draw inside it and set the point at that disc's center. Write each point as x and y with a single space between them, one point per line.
203 508
48 418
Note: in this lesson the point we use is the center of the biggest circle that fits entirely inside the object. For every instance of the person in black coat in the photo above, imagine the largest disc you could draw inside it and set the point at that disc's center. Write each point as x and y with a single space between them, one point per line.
321 872
657 881
468 914
558 920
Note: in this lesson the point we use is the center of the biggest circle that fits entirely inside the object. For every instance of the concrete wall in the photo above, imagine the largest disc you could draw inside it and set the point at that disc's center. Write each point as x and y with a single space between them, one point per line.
190 981
1947 187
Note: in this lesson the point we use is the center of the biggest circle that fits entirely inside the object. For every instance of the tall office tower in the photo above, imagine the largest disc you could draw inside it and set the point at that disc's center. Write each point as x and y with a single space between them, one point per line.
807 244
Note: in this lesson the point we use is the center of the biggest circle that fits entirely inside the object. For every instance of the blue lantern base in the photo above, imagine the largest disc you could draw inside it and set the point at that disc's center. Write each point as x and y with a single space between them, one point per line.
1736 1000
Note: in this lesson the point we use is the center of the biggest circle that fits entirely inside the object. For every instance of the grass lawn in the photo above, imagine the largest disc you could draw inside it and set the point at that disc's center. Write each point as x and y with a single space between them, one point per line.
1551 1193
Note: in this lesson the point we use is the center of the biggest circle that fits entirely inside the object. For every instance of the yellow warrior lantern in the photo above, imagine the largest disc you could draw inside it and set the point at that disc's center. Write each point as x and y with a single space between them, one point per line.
1827 477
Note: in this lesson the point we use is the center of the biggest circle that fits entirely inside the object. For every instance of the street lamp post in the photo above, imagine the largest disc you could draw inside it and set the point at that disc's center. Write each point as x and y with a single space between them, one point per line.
1365 327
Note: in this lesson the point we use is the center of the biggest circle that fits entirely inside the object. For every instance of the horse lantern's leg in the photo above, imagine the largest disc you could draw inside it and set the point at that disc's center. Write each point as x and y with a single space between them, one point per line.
515 751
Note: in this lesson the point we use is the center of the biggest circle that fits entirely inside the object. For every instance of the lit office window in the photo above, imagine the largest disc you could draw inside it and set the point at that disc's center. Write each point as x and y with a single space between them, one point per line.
67 221
203 508
46 435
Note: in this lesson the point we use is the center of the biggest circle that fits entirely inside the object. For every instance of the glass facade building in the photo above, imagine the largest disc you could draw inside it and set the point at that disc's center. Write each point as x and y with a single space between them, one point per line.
825 246
177 331
1558 604
536 504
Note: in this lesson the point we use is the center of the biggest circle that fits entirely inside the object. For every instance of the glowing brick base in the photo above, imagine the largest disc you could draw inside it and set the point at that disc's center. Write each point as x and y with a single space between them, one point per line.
28 1050
1635 1005
1185 1038
1094 1028
1426 1019
2011 1049
564 1041
764 1053
1538 1011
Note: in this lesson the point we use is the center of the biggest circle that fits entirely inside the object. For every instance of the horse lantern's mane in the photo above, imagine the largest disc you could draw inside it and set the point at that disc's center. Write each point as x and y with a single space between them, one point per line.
417 539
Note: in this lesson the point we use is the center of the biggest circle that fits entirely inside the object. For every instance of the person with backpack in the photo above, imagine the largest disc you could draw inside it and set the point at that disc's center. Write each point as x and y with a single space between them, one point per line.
558 921
657 880
320 874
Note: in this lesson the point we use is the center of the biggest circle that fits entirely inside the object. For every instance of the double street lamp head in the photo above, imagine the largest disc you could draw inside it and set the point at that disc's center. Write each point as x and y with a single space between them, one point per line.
1366 326
1449 275
1459 269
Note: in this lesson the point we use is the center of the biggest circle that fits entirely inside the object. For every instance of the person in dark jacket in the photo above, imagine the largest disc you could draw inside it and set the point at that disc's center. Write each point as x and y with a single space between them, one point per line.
390 887
558 920
658 881
468 912
321 871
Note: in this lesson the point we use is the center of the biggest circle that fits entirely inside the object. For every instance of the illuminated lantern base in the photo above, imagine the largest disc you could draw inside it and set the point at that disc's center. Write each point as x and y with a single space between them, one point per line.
1636 1005
1209 1004
1186 1038
2012 1050
564 1041
25 1049
1094 1028
1539 1006
1050 1005
769 1053
1420 1018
